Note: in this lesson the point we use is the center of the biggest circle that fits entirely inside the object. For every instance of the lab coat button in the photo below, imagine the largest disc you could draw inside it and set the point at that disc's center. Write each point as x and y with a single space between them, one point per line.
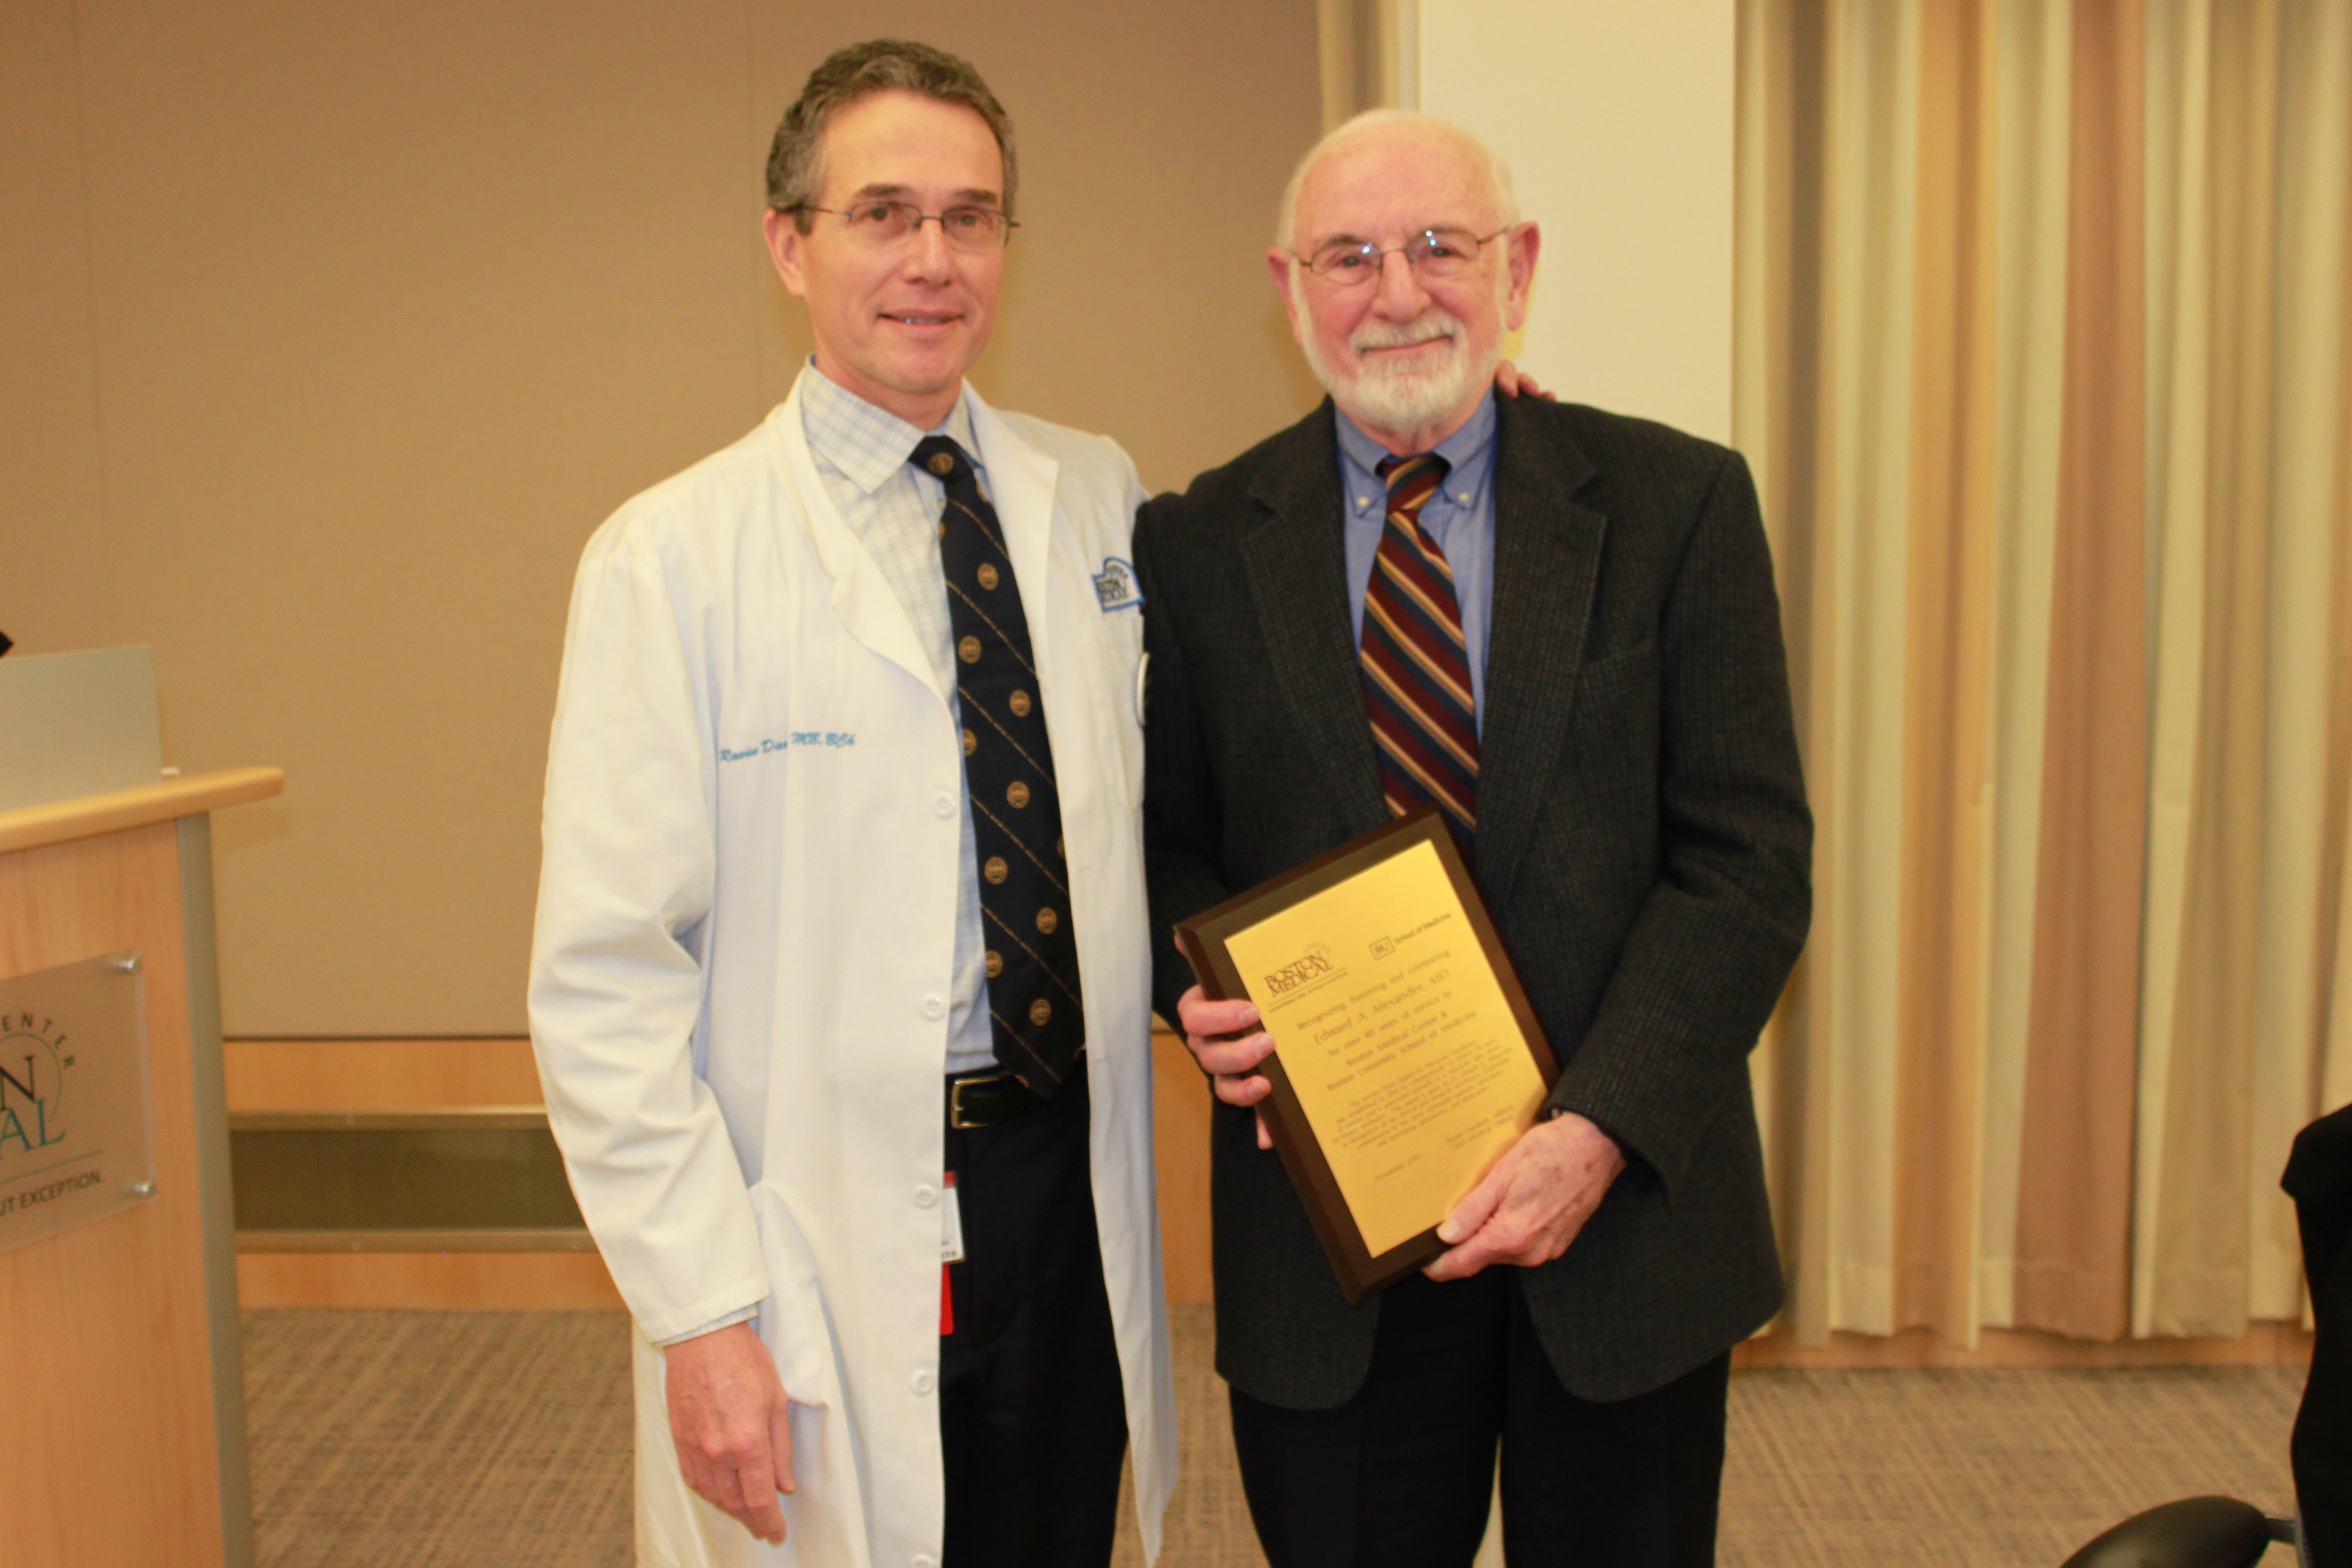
922 1383
926 1196
943 805
934 1008
925 1560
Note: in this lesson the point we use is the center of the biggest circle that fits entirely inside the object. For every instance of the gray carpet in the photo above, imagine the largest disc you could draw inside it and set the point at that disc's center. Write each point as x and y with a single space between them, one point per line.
1989 1469
501 1440
438 1439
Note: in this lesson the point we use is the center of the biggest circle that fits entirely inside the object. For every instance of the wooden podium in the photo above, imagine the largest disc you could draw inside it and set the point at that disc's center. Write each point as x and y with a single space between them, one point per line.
121 1388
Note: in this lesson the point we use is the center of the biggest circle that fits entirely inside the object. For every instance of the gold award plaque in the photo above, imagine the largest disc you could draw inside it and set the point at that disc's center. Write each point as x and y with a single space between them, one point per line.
1406 1054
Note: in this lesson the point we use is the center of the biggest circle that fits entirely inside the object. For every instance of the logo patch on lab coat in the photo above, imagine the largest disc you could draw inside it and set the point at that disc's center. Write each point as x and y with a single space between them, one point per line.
1115 585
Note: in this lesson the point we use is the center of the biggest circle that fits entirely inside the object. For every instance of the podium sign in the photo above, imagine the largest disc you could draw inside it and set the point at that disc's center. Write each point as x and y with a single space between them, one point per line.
76 1135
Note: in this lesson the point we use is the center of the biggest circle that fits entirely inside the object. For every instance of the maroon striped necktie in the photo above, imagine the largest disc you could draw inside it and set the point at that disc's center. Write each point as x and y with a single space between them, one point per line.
1416 667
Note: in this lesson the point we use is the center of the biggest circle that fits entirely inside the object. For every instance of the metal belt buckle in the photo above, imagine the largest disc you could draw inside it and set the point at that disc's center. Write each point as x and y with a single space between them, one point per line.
955 1099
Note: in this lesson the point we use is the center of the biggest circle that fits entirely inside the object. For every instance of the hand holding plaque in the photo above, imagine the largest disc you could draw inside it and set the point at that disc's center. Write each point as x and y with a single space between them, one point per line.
1227 1044
1406 1056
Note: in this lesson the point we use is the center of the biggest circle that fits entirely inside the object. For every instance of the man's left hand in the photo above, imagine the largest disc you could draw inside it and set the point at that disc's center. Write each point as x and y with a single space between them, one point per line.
1533 1200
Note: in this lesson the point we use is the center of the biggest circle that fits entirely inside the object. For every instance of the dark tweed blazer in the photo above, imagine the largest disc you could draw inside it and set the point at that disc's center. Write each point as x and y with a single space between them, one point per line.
1643 844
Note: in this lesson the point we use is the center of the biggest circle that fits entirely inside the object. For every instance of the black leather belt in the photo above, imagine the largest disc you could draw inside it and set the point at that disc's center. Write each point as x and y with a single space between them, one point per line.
986 1098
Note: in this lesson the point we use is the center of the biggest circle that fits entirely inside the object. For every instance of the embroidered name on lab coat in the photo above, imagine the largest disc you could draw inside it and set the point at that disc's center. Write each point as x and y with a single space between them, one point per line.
825 738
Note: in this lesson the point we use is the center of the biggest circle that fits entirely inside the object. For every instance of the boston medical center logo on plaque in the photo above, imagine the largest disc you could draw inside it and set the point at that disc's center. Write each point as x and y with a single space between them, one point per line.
76 1141
1313 964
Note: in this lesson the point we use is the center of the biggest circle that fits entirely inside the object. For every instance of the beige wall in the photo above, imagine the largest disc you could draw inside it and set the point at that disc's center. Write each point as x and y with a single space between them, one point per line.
330 329
1616 117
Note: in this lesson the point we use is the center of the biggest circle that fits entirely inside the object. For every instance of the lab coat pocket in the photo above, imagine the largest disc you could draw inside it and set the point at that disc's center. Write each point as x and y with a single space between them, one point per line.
795 1324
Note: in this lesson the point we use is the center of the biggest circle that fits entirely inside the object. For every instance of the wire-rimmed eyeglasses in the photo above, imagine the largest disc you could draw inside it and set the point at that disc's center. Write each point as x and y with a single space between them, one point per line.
893 223
1433 253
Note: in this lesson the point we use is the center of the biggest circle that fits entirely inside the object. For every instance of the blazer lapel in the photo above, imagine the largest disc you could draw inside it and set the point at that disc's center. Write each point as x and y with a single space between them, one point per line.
1295 562
1547 559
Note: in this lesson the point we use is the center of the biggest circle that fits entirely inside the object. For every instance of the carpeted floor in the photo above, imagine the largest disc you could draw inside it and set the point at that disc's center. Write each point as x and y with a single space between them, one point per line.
438 1439
501 1440
1989 1469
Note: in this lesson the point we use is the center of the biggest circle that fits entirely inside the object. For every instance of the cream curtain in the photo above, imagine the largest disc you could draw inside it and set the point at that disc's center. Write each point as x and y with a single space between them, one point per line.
2045 368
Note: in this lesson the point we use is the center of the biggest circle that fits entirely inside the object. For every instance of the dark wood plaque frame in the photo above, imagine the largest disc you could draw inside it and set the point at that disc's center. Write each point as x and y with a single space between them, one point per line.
1203 939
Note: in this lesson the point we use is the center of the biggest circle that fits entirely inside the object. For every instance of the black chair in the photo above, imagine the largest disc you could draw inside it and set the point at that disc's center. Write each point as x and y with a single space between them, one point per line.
2195 1532
2319 1179
2222 1532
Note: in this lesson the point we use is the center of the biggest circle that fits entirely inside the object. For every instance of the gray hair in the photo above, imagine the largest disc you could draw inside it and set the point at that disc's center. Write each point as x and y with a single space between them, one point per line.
796 157
1499 173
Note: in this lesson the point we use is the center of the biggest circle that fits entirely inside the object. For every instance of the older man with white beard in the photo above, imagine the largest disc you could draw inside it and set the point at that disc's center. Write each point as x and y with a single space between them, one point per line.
1558 625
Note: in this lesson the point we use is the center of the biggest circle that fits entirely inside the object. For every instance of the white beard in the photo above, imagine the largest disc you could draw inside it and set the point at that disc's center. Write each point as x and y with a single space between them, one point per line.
1386 395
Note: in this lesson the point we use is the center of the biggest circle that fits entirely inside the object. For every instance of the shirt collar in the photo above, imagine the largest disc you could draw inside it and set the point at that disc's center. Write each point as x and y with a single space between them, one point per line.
867 444
1466 453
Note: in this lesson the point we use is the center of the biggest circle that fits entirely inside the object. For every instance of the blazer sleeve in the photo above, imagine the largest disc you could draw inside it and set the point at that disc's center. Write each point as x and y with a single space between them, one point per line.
626 888
1724 920
1183 818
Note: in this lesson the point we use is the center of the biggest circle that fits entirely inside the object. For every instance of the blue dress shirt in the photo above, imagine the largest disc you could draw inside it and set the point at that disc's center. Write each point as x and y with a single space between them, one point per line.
1459 517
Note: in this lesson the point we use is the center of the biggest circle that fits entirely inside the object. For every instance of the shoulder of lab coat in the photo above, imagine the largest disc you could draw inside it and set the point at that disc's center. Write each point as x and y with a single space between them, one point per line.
626 882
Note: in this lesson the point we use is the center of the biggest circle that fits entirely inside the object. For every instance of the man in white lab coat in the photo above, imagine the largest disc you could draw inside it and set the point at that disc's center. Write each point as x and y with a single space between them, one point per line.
841 963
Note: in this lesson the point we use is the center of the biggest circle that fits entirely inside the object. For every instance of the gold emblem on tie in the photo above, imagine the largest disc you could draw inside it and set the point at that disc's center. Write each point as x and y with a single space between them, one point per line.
995 963
1017 792
968 650
994 871
940 463
1040 1010
1018 701
1059 851
987 576
971 742
1047 919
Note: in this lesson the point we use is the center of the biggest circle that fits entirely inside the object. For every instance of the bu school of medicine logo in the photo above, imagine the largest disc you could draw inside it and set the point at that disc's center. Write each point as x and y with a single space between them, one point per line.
33 1063
1115 585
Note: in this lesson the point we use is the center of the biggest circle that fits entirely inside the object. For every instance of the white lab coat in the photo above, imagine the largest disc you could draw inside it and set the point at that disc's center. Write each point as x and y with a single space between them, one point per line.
746 929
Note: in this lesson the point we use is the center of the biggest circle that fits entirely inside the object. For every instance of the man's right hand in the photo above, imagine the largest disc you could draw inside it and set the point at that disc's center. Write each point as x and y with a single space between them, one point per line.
1220 1036
727 1408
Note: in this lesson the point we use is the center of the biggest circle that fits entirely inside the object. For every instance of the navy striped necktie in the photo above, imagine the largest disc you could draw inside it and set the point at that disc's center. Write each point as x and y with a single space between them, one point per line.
1038 1020
1416 666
